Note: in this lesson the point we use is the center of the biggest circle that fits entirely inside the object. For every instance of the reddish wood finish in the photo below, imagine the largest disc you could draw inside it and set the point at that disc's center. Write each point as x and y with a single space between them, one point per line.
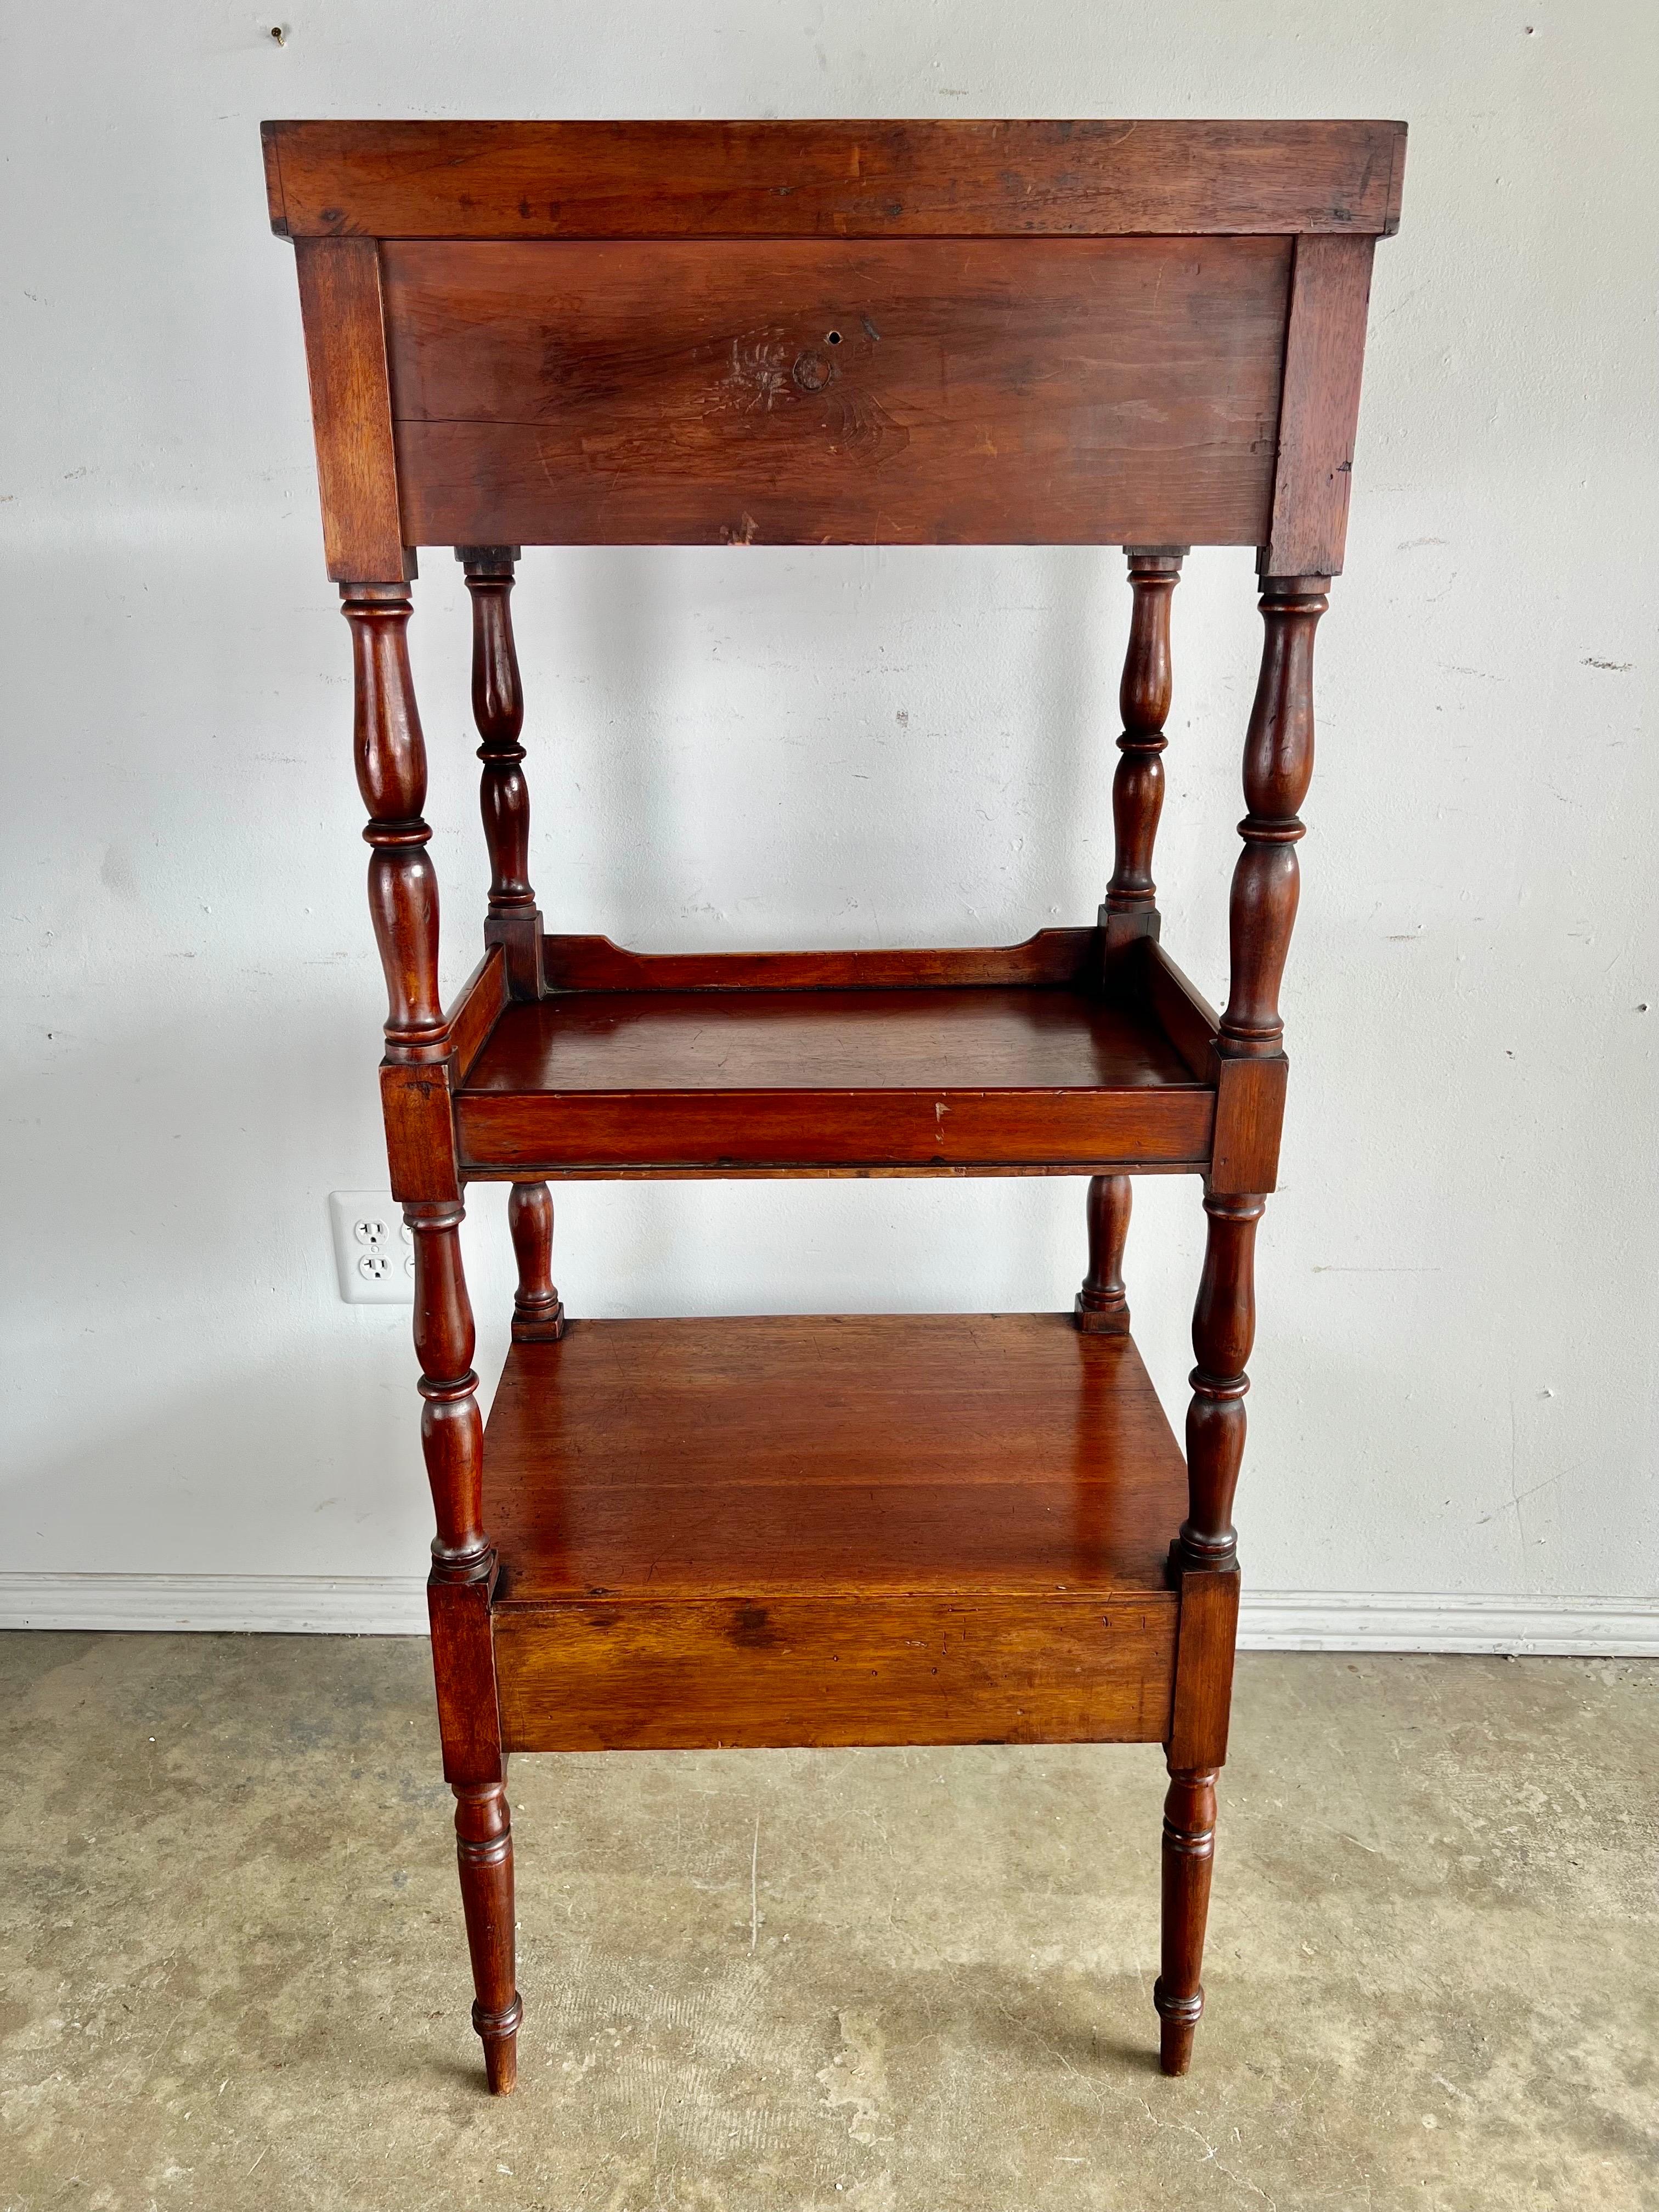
1102 1310
1249 1103
538 1310
420 1132
594 963
351 410
832 179
1204 1663
1196 1748
1318 406
458 1596
1224 1328
911 1669
1182 1011
391 759
874 1529
463 1564
484 1836
785 394
1279 753
1130 907
402 895
475 1011
986 1037
512 921
965 1454
463 1665
893 1530
1189 1857
452 1431
971 1077
1279 750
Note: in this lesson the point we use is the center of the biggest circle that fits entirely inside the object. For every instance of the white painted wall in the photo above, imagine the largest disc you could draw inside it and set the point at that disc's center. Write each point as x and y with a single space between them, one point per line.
1454 1373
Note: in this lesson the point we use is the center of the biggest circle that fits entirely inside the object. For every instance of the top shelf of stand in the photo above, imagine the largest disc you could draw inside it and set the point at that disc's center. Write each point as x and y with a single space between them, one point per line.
925 1062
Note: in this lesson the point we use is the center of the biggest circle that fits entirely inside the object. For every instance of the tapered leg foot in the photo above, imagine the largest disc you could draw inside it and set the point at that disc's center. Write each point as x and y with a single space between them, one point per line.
500 2050
484 1836
1175 2039
1189 1857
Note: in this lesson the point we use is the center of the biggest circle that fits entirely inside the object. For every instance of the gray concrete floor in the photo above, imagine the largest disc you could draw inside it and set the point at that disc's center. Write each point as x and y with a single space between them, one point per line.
233 1972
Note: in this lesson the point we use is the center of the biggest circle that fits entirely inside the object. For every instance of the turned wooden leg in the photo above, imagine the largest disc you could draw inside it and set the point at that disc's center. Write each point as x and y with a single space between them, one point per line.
403 899
1189 1855
1205 1573
1130 910
1279 749
538 1310
463 1652
1101 1308
1224 1329
484 1834
513 921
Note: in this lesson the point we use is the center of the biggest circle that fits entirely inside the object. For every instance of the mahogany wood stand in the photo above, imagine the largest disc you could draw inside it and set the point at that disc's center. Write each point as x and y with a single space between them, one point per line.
865 1529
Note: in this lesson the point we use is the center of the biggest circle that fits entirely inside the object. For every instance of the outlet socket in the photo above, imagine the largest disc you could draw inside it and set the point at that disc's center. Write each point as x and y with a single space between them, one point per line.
373 1251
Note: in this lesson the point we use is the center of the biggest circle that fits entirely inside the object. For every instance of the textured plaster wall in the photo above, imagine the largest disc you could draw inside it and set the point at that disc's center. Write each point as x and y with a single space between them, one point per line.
1455 1371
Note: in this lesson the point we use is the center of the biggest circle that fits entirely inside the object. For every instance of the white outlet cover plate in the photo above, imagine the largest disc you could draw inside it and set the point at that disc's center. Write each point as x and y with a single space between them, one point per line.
373 1251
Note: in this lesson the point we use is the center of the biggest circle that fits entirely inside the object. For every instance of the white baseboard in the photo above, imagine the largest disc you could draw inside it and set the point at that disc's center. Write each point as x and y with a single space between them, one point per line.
1271 1620
1363 1621
260 1605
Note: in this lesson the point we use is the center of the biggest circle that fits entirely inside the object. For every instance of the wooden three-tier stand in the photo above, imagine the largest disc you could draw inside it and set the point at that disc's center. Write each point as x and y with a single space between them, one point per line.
851 1529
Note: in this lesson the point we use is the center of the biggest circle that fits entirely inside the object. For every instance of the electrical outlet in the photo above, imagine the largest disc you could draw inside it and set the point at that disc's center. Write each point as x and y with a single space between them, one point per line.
373 1251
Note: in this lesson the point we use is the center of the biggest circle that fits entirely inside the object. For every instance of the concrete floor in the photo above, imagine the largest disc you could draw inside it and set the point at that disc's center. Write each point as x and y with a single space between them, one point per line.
233 1972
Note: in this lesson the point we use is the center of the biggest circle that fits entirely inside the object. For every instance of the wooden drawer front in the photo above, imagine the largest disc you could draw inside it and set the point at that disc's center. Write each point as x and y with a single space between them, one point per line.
950 391
901 1128
889 1670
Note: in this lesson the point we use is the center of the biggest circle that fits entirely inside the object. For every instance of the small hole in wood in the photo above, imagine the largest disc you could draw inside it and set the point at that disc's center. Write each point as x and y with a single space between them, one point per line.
832 338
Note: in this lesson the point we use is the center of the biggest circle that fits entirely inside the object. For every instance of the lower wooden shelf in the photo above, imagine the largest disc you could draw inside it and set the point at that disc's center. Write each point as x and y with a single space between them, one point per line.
851 1529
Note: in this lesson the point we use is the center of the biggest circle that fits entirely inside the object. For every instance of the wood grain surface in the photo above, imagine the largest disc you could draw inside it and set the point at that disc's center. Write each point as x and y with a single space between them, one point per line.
681 1676
340 307
843 179
984 1039
985 1074
1319 411
888 1528
1044 391
962 1454
594 963
847 1529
